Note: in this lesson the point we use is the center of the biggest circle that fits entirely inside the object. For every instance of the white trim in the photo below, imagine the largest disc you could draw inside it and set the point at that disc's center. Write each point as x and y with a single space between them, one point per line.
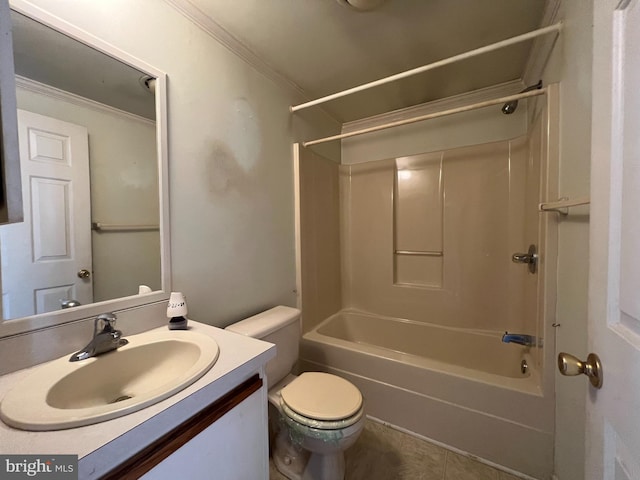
509 88
162 147
68 97
42 16
297 223
542 46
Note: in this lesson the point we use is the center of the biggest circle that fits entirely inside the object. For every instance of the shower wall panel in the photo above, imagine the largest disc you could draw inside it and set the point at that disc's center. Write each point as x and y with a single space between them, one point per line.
535 230
418 221
320 238
485 197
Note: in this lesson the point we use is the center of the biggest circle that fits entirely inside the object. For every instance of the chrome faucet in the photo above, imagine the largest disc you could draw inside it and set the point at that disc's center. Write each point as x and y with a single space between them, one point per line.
105 338
520 339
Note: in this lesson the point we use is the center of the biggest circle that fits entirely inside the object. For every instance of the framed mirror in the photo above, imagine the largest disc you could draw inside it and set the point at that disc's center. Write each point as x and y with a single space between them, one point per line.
93 158
10 198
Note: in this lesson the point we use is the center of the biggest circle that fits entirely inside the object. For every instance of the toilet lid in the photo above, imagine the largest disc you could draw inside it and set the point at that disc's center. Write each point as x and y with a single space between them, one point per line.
322 396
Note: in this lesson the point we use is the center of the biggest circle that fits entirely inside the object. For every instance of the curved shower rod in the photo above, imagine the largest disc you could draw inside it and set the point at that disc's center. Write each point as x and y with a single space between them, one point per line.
466 108
556 27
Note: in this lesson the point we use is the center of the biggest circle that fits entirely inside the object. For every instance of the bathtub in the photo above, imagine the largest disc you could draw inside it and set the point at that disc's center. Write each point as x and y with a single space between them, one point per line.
461 388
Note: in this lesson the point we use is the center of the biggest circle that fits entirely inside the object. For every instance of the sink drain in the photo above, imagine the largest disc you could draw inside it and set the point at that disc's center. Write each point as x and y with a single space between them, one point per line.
120 399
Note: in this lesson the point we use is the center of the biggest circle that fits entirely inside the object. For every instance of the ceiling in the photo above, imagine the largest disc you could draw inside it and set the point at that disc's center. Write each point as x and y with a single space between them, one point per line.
50 57
323 46
320 46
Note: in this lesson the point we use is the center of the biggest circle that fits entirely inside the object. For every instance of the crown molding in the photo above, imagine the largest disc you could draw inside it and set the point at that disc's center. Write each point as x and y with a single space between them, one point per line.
52 92
542 46
235 46
228 40
476 96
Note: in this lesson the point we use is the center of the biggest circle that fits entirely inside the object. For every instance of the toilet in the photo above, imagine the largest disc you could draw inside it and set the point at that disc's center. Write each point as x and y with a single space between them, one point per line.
320 415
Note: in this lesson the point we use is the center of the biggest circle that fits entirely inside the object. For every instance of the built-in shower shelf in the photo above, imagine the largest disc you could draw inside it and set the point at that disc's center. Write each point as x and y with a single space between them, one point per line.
562 205
419 253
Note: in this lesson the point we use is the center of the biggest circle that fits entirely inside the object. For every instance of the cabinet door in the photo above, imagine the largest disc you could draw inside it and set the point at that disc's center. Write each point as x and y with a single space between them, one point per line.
235 447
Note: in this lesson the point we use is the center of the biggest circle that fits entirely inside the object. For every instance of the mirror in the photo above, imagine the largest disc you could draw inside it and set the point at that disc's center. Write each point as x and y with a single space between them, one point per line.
92 145
10 198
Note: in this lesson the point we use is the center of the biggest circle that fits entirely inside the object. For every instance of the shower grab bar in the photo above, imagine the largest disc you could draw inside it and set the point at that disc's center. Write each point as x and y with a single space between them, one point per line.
556 27
420 253
115 227
563 204
429 116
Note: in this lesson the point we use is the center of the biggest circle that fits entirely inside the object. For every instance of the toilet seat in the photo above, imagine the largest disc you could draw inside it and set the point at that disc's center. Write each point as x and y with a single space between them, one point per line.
321 424
322 400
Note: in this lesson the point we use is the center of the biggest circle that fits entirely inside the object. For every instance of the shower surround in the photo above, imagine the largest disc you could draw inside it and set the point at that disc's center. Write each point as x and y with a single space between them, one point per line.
406 285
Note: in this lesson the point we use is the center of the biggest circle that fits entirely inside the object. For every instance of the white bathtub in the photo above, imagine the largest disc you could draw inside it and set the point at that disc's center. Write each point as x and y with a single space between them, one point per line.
462 388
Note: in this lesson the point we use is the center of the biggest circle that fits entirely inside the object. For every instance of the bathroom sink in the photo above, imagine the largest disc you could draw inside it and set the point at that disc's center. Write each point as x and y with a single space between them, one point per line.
153 366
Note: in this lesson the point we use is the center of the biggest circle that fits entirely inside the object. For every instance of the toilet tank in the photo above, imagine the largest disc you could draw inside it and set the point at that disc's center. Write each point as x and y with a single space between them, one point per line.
281 326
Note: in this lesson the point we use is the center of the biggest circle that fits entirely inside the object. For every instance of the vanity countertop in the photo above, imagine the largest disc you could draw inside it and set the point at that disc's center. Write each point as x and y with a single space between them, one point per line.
103 445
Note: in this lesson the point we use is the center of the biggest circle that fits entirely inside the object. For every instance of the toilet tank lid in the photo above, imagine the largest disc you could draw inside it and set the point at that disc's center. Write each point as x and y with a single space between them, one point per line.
264 323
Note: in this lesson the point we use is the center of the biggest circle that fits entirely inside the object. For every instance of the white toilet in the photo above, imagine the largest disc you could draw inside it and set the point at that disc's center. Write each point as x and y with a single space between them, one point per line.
321 415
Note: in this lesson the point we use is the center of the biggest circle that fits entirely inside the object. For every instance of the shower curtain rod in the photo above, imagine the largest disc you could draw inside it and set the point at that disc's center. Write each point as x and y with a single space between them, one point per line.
466 108
556 27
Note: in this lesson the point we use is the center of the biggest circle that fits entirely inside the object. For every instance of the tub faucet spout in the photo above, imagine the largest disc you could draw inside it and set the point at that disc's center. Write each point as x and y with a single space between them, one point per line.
520 339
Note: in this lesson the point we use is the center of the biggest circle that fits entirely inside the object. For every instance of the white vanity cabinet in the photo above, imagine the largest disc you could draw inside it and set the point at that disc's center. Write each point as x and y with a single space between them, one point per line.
226 440
234 447
215 428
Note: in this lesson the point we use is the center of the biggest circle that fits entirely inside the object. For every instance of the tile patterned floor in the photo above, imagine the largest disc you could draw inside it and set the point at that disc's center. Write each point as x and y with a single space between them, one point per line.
382 453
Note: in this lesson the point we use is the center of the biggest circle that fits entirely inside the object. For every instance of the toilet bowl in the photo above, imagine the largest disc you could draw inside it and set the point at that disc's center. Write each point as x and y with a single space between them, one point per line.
319 415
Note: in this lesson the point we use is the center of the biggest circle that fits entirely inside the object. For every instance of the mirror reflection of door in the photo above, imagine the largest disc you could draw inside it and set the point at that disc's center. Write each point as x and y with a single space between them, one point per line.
43 255
59 77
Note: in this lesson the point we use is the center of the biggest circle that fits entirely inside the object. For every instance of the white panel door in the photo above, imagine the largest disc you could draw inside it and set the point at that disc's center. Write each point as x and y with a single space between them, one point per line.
41 257
613 413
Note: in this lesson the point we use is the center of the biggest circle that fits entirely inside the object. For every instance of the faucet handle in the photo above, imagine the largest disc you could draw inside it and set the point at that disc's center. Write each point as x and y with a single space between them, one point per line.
105 322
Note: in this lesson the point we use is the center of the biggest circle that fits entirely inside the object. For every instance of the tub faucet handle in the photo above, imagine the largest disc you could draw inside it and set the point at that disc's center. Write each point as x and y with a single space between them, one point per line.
530 258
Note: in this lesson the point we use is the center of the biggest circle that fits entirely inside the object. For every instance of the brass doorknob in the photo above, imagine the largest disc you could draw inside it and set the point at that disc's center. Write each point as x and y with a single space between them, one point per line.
592 368
84 273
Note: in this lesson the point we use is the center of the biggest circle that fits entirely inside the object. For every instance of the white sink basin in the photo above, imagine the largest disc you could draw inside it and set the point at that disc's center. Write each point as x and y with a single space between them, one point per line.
153 366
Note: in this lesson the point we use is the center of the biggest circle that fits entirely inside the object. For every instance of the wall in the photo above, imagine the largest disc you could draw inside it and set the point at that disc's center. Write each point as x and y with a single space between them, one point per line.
473 221
124 189
11 195
231 177
570 64
319 198
471 128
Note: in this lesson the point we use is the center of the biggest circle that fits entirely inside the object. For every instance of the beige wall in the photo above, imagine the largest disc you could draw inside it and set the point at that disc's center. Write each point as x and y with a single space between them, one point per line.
124 190
487 192
471 128
320 238
231 177
570 64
